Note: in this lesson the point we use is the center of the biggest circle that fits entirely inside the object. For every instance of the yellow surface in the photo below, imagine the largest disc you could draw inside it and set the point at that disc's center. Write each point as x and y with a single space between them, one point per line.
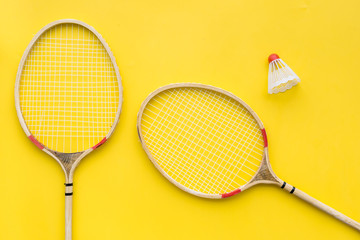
313 129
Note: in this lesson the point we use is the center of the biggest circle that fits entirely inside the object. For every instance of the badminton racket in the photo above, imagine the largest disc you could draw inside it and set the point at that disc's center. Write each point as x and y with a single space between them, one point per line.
68 96
209 143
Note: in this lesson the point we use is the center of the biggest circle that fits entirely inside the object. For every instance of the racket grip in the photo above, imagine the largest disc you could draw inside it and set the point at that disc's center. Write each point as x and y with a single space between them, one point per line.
321 206
68 210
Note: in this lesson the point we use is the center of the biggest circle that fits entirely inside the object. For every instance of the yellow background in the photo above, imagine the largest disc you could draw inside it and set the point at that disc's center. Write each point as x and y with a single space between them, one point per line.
313 129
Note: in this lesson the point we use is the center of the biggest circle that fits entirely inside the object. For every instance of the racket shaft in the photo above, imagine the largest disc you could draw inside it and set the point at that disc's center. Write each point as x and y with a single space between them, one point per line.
68 217
322 206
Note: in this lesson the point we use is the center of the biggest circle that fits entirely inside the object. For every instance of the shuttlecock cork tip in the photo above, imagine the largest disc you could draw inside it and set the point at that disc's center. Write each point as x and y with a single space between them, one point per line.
273 57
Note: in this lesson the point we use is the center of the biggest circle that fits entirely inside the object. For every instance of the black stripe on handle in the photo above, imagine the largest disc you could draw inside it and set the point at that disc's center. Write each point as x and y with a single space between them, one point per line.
68 184
292 190
284 184
68 194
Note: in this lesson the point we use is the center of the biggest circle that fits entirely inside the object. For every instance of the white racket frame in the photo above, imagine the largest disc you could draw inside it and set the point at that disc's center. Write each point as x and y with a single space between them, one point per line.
67 161
264 174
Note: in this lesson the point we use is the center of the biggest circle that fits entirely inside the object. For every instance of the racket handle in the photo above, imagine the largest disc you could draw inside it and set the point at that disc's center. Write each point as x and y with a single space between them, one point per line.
320 205
68 211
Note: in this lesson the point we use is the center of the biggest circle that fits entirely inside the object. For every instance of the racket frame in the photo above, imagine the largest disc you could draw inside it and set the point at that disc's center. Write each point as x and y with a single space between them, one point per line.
67 161
264 173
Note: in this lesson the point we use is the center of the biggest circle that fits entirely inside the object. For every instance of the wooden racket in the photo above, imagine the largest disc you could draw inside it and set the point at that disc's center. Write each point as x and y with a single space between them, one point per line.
209 143
68 96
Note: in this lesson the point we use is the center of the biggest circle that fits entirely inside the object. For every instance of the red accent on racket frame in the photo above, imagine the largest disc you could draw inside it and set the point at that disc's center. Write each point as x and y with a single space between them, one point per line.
100 143
36 142
225 195
265 137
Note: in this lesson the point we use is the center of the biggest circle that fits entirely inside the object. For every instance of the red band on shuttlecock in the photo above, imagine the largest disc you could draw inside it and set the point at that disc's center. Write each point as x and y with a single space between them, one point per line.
100 143
225 195
36 142
273 57
265 137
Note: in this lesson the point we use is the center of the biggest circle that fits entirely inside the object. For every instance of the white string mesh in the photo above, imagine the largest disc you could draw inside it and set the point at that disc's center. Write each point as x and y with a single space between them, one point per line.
69 93
204 140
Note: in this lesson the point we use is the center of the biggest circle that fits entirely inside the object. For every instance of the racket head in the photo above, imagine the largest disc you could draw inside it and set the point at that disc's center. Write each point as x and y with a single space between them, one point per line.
204 140
68 91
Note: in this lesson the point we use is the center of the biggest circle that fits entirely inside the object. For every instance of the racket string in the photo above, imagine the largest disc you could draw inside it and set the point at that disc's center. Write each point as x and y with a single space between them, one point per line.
211 159
178 167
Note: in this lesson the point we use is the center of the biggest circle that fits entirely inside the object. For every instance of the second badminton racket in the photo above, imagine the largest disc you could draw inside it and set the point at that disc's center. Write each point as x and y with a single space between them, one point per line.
209 143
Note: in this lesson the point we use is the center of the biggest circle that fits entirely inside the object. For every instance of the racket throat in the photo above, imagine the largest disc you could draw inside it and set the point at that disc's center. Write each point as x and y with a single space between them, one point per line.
67 161
265 175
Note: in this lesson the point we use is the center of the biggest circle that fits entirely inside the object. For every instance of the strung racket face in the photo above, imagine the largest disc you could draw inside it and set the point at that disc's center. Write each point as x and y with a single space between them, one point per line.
203 139
68 92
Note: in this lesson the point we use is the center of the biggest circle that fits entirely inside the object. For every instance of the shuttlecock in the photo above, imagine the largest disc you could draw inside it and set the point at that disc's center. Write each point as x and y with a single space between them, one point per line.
281 77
